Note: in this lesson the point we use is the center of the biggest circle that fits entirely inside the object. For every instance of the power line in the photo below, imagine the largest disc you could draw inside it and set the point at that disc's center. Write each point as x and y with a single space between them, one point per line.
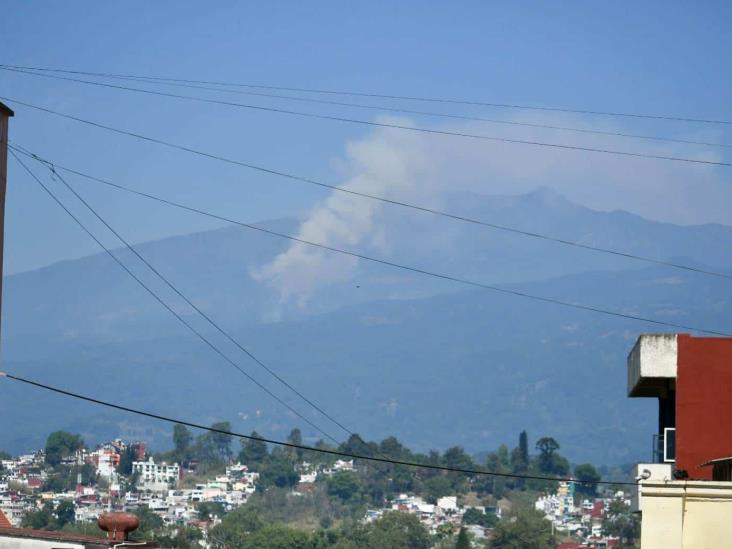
168 82
423 209
336 188
301 446
210 320
168 307
196 308
204 315
450 278
398 97
178 292
612 152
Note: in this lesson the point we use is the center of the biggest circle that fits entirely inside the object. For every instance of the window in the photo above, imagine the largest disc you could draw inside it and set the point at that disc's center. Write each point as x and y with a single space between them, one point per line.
669 445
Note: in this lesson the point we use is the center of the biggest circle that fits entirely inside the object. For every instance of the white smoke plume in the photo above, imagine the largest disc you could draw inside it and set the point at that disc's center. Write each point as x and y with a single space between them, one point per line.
421 168
389 164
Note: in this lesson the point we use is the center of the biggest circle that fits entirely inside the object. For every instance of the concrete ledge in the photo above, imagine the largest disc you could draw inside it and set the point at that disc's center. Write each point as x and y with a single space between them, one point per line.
659 473
691 489
652 365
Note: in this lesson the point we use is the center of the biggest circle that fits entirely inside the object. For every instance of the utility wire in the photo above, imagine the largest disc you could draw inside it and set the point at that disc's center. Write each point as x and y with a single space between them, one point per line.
387 96
168 307
422 209
200 312
515 293
204 315
180 294
167 82
336 188
387 125
301 446
54 172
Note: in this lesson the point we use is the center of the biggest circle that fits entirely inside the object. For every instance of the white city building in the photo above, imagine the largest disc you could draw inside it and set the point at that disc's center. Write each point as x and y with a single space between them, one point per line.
156 477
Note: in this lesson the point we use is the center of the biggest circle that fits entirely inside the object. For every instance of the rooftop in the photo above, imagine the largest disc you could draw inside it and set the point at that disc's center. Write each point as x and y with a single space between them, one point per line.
29 533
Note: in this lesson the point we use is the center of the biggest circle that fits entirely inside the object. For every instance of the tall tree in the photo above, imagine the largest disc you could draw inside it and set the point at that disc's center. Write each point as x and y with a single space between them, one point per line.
278 471
463 541
295 437
391 447
520 459
356 445
221 441
495 462
547 447
65 513
61 444
588 477
457 458
182 439
344 485
253 451
524 447
474 516
125 460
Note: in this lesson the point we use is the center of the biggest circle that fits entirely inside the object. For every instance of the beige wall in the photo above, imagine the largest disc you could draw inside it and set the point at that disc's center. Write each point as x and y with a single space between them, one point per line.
657 472
7 542
686 514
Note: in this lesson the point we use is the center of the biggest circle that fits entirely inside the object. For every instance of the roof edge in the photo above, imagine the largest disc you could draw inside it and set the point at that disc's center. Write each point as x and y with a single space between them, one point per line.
7 111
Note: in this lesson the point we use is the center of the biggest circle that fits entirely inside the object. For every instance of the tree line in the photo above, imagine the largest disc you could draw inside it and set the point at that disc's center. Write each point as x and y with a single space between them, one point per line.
338 501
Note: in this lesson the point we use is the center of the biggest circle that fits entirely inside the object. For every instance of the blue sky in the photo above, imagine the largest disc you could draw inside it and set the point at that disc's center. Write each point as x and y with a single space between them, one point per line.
655 57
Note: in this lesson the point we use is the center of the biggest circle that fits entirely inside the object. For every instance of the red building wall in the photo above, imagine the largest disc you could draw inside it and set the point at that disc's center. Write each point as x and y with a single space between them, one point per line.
703 403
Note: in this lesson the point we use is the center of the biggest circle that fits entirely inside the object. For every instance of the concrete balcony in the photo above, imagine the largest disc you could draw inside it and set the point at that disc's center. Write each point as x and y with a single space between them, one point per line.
652 365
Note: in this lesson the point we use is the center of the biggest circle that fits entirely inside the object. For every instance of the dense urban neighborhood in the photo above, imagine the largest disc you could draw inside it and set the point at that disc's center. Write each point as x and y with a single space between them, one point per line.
200 494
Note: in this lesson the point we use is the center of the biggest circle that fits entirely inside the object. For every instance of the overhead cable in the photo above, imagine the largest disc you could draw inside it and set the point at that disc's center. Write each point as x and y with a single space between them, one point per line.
352 192
172 311
384 108
398 97
514 230
467 282
198 310
328 451
371 123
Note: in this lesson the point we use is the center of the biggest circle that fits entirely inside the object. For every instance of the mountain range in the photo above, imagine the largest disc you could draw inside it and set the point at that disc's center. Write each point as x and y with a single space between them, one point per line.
386 351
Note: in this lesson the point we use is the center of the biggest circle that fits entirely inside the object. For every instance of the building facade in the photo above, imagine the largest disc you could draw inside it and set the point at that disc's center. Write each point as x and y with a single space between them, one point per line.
683 501
692 379
156 477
